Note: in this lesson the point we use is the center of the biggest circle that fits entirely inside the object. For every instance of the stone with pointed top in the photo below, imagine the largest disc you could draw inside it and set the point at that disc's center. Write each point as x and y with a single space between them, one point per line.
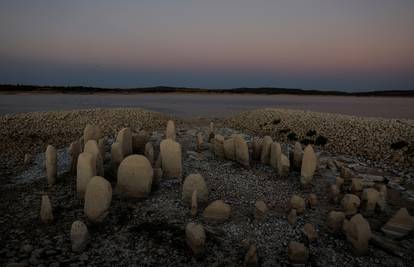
46 211
170 130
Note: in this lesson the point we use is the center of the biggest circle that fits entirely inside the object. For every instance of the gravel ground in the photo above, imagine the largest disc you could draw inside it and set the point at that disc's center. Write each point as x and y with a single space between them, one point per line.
150 232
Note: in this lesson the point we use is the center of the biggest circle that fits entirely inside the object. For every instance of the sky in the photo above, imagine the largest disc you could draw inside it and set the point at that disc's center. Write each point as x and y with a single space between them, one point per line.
352 45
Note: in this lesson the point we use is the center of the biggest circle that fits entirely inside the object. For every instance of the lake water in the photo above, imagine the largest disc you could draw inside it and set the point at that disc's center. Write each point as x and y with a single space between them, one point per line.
212 105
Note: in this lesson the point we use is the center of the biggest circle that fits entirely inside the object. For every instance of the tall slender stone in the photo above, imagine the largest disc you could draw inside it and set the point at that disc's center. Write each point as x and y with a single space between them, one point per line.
74 151
149 152
308 166
170 130
86 169
92 147
171 158
51 164
124 137
275 156
257 148
297 156
265 153
242 151
46 211
98 199
116 155
219 146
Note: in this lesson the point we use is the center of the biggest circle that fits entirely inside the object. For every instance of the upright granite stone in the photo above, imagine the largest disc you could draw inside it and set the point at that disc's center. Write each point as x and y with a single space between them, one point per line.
219 146
229 149
195 237
284 167
124 137
74 151
51 165
194 182
46 212
265 153
308 168
297 203
310 232
356 185
170 130
139 140
79 236
400 225
199 142
335 221
217 211
358 233
194 203
350 203
297 253
242 151
171 158
116 155
149 152
91 132
211 132
92 147
275 156
257 148
312 200
86 169
98 199
297 156
371 197
135 176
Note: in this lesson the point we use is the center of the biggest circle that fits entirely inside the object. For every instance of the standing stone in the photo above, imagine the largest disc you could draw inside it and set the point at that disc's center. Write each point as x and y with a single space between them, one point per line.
242 151
135 176
101 146
298 253
194 203
265 154
312 200
334 193
217 211
170 130
116 155
275 156
211 134
297 156
91 132
297 203
219 146
310 232
194 182
199 141
139 140
74 151
257 148
229 149
292 217
308 166
401 224
98 199
46 212
382 202
356 185
149 152
86 169
51 164
371 198
92 147
171 160
358 233
335 221
124 137
339 182
79 236
196 237
350 203
260 210
284 167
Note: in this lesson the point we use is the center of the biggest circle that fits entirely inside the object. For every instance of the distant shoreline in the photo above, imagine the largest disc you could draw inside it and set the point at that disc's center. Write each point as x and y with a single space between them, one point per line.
29 89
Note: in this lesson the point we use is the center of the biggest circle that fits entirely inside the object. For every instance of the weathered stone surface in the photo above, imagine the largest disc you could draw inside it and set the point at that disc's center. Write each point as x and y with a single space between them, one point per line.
139 140
347 173
217 211
265 153
200 141
297 156
356 185
308 168
292 217
219 146
335 221
350 203
211 133
98 197
334 193
339 182
229 149
92 147
251 256
86 169
171 158
46 211
51 165
284 167
194 182
371 198
260 210
116 154
242 151
275 156
149 152
196 237
383 192
312 200
298 253
124 137
257 148
135 176
74 151
297 203
358 233
79 236
401 224
170 130
194 203
91 132
310 232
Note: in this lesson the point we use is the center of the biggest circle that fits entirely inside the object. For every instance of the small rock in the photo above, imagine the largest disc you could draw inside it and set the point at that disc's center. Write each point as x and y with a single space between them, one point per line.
260 210
298 253
297 203
196 237
217 211
350 203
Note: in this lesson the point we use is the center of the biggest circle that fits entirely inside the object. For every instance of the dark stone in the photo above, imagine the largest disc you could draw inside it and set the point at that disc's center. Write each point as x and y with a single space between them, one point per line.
399 145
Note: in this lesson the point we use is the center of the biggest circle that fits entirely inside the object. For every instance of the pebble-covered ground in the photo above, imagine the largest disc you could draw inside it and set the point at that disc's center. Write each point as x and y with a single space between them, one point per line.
150 232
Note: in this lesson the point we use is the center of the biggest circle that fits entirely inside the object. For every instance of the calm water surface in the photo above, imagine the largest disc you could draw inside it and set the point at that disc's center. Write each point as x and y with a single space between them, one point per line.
200 105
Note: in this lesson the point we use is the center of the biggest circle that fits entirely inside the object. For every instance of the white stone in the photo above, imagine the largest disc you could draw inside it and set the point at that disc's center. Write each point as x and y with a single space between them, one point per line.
308 168
171 158
86 169
135 176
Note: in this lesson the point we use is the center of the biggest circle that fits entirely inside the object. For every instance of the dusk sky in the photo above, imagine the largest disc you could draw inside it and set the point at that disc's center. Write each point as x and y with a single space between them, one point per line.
348 45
